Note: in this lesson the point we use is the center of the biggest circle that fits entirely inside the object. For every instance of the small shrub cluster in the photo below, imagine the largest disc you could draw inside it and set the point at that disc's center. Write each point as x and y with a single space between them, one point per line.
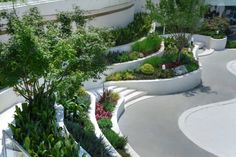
125 75
231 44
134 31
147 69
217 27
149 45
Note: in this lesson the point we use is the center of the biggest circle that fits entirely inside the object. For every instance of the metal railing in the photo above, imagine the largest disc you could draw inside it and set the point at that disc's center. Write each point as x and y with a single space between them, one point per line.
11 148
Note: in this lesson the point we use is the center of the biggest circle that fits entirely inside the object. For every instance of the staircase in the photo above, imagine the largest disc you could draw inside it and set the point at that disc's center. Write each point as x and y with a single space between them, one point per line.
129 95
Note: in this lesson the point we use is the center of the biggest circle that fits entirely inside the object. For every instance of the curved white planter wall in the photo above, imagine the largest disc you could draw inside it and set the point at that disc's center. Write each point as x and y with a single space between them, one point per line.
8 98
119 67
211 43
163 86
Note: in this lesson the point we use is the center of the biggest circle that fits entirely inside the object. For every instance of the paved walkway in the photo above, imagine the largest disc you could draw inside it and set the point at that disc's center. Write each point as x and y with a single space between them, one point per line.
152 124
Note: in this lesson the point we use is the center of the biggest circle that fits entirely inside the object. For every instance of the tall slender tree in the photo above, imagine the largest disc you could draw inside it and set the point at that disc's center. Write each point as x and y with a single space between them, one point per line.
180 17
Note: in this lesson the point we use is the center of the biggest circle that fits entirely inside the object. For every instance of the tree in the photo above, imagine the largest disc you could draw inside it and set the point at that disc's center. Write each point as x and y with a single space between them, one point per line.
180 17
33 62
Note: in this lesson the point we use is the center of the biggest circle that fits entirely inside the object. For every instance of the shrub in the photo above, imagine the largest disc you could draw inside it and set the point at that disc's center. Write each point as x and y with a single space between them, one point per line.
105 123
128 75
133 55
87 139
116 141
123 153
108 106
168 73
231 44
125 75
147 69
216 27
114 77
115 96
124 57
148 45
134 31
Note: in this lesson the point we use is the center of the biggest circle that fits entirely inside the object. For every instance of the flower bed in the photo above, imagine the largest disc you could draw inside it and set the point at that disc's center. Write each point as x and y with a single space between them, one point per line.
152 68
140 49
161 75
104 109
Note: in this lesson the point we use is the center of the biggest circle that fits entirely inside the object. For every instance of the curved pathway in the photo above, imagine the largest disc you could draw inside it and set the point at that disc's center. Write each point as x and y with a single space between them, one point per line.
152 124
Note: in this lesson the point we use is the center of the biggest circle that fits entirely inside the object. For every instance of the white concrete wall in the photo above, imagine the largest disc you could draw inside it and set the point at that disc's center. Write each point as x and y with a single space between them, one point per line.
163 86
8 98
140 5
117 19
51 7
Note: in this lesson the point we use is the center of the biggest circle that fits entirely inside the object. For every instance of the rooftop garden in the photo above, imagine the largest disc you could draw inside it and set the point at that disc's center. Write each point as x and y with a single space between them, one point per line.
48 62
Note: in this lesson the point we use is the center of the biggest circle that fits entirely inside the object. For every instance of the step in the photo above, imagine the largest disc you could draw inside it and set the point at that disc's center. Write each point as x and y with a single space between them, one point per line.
134 95
119 89
126 92
131 102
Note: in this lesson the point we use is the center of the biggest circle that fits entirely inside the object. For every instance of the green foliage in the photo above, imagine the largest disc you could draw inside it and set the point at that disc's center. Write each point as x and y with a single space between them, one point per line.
147 69
116 141
35 129
179 16
116 57
123 153
231 44
109 97
151 68
66 18
87 138
108 106
168 73
105 123
126 75
134 31
149 45
217 27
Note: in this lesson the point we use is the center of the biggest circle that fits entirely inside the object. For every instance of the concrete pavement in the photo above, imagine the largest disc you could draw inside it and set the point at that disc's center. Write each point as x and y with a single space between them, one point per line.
152 124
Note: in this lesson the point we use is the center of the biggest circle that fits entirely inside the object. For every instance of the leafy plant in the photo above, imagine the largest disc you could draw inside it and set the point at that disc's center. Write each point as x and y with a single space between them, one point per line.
148 45
116 141
125 75
134 31
231 44
104 123
217 27
147 69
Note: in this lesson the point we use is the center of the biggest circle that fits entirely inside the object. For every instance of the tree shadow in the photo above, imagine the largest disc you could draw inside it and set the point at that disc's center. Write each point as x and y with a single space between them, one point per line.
199 89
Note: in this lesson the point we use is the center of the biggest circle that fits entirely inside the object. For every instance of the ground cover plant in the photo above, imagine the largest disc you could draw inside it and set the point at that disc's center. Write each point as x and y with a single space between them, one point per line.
151 44
104 108
134 31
